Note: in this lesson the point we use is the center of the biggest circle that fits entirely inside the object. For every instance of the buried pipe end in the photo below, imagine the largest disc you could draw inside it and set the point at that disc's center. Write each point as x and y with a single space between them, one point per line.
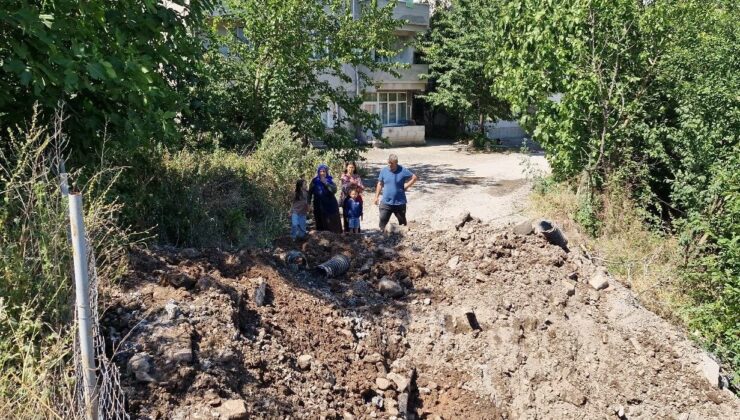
335 266
552 233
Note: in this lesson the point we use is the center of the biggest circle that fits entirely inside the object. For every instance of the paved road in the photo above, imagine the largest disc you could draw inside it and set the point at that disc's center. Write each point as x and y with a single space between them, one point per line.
492 186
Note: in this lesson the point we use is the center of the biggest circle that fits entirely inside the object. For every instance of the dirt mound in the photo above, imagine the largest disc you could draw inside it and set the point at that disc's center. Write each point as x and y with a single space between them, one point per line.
473 322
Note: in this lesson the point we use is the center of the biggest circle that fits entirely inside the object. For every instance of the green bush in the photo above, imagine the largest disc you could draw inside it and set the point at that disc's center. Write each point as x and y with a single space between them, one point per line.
201 199
281 159
713 279
223 198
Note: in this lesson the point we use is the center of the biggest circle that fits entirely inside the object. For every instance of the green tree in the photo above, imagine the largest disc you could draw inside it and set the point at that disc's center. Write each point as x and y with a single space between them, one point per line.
119 67
456 49
287 60
698 122
647 103
592 53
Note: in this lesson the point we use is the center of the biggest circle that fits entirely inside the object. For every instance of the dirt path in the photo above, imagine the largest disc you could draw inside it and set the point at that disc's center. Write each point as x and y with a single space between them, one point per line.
433 322
490 185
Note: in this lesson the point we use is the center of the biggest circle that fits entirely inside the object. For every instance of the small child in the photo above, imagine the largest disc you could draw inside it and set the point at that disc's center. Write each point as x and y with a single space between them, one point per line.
299 210
353 210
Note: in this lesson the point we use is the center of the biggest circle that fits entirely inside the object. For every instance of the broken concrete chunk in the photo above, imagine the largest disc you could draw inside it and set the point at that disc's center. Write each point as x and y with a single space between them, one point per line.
260 294
599 280
233 410
403 404
172 310
464 218
390 288
464 323
304 361
710 369
181 355
524 228
140 366
401 381
453 262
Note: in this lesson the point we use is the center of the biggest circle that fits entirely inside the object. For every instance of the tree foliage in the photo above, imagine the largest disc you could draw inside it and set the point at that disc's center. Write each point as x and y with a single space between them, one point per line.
640 96
270 60
118 66
456 54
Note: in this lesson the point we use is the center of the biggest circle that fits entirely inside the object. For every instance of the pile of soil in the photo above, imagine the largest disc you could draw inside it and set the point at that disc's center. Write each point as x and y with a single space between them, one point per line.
475 322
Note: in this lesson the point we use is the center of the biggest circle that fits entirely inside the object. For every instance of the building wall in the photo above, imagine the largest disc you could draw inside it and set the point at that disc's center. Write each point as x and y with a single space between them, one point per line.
408 82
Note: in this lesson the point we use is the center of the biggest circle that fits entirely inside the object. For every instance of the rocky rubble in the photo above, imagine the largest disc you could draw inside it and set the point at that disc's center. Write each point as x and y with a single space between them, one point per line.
473 322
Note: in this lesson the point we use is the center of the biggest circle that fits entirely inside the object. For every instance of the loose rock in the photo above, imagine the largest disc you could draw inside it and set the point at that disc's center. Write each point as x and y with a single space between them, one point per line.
390 288
260 294
710 370
403 404
140 366
181 355
382 383
401 382
524 228
304 361
599 280
233 410
453 262
172 310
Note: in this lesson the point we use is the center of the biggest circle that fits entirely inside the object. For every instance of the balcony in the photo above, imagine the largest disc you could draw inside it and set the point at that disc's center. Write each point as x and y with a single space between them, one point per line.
408 78
415 14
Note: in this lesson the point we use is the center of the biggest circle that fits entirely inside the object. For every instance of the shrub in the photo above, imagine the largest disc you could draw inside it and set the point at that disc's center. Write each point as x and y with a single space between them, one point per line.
281 159
712 240
222 198
199 198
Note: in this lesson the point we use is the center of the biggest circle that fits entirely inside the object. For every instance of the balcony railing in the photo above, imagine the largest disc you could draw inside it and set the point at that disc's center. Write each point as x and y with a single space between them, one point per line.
407 75
415 14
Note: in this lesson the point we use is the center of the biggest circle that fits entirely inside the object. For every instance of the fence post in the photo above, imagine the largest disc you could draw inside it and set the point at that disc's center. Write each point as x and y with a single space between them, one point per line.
82 290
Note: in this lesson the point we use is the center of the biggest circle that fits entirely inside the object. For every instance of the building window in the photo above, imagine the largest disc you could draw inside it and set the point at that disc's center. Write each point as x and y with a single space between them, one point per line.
391 107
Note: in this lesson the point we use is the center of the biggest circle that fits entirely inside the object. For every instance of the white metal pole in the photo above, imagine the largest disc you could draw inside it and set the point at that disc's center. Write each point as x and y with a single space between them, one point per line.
82 289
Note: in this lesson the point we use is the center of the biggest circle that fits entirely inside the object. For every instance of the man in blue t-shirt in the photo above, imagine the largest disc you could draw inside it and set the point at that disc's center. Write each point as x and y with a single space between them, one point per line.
393 180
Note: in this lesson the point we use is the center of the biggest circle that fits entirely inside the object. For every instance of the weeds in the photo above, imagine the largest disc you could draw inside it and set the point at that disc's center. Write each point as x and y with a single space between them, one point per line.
647 261
36 329
226 199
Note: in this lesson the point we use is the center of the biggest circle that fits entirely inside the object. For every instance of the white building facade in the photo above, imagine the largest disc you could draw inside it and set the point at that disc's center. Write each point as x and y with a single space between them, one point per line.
391 98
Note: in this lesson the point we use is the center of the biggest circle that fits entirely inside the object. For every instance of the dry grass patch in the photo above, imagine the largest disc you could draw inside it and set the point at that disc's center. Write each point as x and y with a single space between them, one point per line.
646 261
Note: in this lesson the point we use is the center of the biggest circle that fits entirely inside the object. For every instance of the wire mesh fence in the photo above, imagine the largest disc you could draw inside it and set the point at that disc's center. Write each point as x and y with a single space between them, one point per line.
109 396
105 400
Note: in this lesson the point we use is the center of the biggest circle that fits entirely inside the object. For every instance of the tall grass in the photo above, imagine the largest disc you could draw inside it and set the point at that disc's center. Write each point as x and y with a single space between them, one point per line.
221 198
36 303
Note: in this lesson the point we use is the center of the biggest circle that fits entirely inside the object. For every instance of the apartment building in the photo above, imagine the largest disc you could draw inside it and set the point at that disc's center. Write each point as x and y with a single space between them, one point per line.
388 96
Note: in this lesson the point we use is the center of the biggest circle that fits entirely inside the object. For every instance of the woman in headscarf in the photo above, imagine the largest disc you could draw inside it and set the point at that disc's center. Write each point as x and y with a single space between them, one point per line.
325 207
